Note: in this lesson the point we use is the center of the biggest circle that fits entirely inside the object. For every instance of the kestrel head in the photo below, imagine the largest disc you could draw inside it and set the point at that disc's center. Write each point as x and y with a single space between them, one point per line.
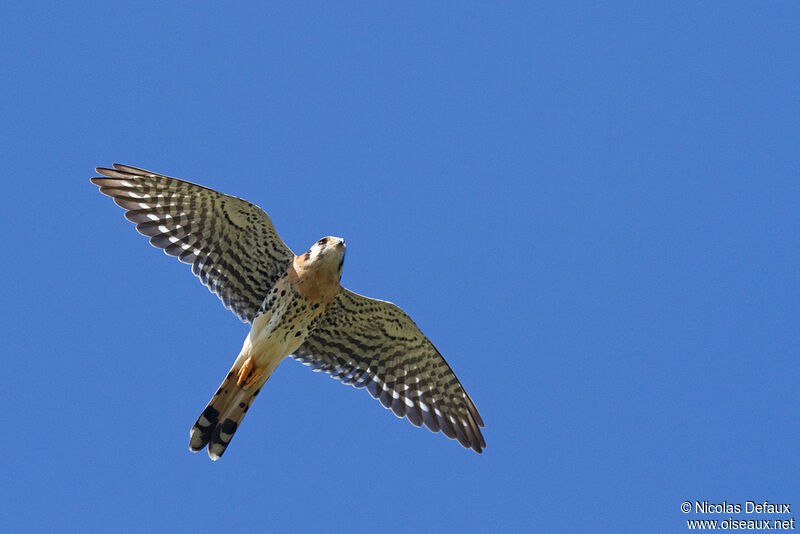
327 253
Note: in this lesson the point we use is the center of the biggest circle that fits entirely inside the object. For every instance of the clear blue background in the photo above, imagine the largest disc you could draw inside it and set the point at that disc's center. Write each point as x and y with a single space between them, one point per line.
591 210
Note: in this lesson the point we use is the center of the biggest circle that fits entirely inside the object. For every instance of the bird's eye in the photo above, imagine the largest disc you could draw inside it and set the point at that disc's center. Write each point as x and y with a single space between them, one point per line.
322 241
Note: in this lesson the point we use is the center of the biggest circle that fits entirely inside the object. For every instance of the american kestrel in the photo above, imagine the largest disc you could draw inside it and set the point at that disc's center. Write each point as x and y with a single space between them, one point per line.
295 307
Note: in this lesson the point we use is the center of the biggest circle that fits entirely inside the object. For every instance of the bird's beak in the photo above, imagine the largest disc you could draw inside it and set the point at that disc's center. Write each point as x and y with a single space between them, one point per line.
339 244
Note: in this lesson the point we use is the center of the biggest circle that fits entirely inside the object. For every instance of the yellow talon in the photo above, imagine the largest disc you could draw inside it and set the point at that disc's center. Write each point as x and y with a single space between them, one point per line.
249 374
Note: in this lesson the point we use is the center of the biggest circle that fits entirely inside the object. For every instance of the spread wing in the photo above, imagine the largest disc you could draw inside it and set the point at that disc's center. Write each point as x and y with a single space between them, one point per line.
374 344
230 243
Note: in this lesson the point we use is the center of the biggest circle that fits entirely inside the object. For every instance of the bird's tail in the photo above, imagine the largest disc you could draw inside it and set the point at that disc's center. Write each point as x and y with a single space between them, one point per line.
226 409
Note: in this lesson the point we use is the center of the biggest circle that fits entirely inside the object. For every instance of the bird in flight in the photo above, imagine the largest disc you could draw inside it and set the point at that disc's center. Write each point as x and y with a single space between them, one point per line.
295 307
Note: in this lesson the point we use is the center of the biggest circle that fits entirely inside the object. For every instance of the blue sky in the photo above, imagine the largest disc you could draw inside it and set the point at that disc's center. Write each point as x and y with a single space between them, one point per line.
591 210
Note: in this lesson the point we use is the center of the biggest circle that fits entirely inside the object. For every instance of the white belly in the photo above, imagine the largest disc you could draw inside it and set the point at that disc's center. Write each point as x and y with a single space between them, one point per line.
279 332
271 339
